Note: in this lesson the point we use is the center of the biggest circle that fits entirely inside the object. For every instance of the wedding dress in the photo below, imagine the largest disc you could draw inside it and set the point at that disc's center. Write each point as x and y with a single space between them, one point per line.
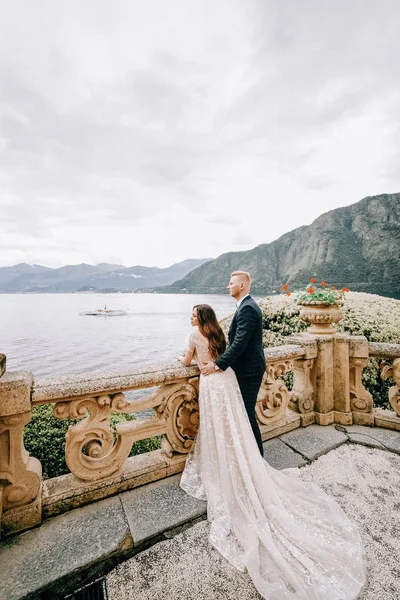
294 540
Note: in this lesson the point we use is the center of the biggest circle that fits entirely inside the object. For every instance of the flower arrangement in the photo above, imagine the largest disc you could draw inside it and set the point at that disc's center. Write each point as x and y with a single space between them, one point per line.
325 294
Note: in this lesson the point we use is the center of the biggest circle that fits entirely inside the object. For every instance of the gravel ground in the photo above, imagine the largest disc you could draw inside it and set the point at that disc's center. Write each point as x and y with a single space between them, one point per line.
365 482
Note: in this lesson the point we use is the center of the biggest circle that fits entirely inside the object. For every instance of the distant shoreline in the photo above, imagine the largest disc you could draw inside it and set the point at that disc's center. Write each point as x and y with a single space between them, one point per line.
256 294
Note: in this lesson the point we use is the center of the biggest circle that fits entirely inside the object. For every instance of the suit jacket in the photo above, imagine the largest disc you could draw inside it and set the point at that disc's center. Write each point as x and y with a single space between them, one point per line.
245 353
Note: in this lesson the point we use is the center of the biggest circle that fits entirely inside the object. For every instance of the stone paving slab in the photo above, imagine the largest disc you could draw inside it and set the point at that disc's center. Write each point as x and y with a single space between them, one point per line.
315 440
154 508
280 456
375 437
37 559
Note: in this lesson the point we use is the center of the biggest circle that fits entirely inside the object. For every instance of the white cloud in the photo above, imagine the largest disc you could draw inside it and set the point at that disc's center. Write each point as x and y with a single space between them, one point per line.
147 133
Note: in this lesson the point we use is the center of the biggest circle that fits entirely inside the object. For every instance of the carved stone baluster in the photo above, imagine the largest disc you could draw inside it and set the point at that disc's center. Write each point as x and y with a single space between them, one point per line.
20 473
301 398
361 402
273 397
393 370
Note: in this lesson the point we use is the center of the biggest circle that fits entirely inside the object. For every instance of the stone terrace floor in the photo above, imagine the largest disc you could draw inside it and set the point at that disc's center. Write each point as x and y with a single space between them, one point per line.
166 530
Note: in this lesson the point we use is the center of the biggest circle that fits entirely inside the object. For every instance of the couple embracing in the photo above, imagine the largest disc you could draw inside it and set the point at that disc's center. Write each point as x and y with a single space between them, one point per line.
289 535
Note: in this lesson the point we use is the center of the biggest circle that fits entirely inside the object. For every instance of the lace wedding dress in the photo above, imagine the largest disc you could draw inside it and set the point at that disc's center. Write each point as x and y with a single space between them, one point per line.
294 540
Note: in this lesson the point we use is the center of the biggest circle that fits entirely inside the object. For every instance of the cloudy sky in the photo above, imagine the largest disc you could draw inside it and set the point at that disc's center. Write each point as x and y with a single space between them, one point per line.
148 132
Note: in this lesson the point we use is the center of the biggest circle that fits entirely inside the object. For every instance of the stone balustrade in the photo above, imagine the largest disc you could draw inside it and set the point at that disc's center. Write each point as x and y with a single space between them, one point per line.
327 387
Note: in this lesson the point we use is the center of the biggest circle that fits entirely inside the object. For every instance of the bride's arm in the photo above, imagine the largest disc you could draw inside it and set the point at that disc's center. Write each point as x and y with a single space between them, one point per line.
188 353
186 358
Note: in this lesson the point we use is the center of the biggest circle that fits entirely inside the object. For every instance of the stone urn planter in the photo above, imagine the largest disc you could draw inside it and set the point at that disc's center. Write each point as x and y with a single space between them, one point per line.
320 315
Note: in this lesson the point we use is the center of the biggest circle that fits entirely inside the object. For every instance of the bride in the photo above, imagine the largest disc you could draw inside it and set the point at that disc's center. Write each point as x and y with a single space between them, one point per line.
293 539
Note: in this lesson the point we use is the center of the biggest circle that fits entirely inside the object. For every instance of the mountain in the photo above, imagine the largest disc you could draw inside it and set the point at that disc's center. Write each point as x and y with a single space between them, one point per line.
84 277
7 274
356 246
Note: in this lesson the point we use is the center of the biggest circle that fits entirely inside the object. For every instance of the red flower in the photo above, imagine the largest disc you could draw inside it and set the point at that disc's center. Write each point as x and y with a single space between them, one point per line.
345 290
334 287
284 288
310 290
323 284
288 293
313 280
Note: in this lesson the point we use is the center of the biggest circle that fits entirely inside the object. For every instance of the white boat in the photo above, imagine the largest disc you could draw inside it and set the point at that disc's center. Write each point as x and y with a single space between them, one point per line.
104 312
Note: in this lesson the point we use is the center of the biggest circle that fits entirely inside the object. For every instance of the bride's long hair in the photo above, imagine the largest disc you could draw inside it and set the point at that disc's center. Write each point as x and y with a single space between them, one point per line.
211 329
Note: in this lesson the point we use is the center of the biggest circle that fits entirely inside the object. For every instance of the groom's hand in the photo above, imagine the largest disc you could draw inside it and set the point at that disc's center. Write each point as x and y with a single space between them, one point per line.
208 368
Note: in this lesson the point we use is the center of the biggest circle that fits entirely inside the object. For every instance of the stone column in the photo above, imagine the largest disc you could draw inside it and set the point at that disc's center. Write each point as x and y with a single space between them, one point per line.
20 474
341 381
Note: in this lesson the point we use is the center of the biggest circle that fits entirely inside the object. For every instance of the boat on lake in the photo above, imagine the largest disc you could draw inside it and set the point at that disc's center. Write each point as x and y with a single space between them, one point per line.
104 312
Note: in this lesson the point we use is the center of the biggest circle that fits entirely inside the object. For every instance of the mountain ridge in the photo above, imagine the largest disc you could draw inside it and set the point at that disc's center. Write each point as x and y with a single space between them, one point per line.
356 246
24 278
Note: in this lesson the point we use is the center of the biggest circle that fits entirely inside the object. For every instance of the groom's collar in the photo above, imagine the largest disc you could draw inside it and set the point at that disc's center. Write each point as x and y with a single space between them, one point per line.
241 300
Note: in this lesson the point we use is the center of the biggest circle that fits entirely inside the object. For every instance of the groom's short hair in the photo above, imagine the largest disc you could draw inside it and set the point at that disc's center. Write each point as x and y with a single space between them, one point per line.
244 276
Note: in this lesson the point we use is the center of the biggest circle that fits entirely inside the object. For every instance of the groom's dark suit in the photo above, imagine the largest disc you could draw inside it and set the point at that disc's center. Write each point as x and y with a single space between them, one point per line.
245 355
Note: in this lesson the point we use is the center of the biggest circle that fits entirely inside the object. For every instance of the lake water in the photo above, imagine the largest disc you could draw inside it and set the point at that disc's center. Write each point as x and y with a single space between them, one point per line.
46 334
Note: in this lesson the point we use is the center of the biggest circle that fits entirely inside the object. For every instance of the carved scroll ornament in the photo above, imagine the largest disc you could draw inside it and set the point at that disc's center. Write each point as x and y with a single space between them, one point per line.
273 397
301 398
90 450
393 370
180 409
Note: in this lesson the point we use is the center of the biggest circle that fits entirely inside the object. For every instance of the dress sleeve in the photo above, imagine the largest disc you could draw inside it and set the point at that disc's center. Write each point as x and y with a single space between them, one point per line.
190 343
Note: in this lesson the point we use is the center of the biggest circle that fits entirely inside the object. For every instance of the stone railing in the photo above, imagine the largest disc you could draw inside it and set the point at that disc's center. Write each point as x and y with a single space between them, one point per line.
327 388
98 459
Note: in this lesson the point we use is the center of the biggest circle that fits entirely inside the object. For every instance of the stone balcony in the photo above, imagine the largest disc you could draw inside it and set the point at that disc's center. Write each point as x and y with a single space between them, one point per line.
136 500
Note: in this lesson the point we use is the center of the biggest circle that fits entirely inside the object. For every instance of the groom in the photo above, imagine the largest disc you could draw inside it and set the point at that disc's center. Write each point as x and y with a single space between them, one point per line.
245 353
